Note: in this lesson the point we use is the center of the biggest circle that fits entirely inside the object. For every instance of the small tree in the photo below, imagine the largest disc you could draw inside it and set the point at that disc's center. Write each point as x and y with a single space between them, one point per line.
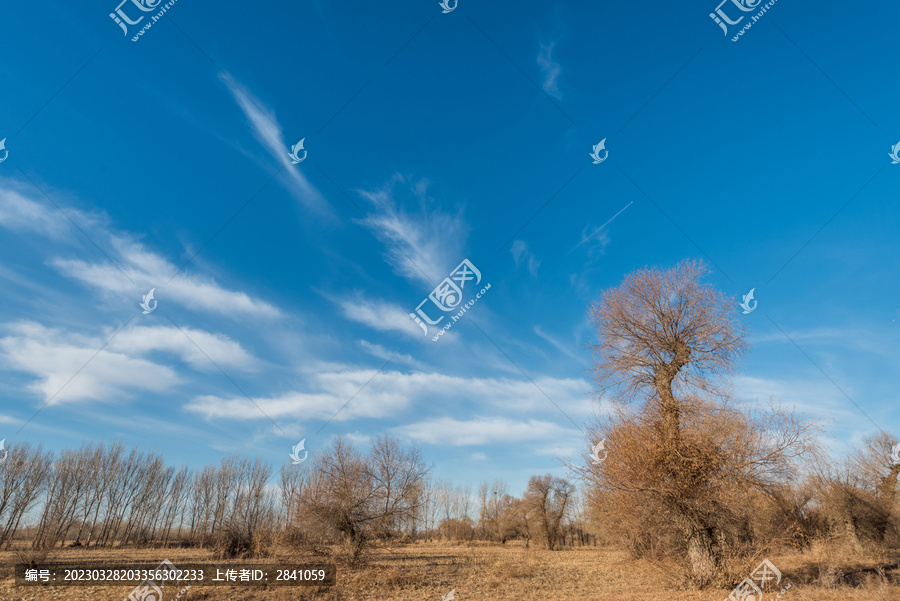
859 494
358 495
548 498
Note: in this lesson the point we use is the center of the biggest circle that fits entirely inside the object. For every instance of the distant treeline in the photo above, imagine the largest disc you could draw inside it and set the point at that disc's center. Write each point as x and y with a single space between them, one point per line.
103 495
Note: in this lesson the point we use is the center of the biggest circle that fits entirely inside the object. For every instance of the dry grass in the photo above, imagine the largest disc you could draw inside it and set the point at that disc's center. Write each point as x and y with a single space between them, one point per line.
496 573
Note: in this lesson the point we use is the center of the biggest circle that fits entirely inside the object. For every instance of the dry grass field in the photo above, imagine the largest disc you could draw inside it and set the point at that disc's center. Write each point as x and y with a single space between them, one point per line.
495 573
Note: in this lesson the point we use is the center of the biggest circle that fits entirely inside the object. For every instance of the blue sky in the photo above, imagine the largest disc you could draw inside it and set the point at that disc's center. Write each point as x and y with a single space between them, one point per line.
431 138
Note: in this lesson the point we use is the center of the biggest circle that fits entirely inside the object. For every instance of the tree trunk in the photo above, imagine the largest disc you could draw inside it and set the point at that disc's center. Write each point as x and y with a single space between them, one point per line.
701 556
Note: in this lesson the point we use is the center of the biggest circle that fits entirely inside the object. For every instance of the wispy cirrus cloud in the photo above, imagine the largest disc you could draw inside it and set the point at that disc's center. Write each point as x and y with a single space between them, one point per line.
521 254
124 366
390 392
379 315
421 246
268 132
597 238
327 393
484 430
381 352
150 270
567 349
811 396
22 209
21 212
195 347
53 356
550 70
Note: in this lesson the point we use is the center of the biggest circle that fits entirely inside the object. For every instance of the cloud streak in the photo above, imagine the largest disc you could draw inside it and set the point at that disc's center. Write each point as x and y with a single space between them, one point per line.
521 254
124 367
269 133
20 212
379 315
550 70
391 392
53 357
484 430
421 247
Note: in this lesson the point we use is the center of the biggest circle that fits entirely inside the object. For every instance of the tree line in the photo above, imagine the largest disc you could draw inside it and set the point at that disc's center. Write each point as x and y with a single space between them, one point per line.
104 495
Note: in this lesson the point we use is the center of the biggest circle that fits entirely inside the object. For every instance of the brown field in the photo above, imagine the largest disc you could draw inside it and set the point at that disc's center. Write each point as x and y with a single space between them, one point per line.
492 572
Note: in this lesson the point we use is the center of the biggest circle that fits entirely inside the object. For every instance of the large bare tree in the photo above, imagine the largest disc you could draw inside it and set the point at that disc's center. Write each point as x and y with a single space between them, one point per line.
667 343
667 335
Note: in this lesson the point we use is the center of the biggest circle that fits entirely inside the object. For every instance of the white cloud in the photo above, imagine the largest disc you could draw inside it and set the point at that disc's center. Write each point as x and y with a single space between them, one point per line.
122 367
598 237
857 339
380 315
483 430
55 358
358 439
521 254
390 392
145 268
422 247
149 270
20 211
550 70
219 348
267 131
383 353
562 451
371 397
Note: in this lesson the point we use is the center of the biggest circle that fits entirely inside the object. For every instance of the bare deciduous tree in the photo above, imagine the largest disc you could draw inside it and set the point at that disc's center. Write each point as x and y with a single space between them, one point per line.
547 497
666 335
670 342
358 494
24 477
859 494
